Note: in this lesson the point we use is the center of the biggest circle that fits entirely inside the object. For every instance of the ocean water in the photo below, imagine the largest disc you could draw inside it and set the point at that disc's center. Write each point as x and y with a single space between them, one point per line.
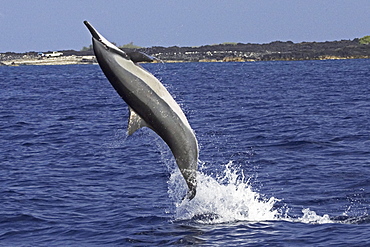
284 157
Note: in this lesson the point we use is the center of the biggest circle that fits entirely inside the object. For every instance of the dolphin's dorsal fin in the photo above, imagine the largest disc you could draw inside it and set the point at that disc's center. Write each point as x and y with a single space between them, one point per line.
137 57
135 122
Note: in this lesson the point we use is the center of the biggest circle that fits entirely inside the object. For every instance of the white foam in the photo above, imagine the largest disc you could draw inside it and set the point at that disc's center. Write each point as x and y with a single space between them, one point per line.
226 198
229 198
311 217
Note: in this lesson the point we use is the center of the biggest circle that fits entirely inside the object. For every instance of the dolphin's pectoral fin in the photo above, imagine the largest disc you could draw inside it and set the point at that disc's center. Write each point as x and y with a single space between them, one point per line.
135 122
137 57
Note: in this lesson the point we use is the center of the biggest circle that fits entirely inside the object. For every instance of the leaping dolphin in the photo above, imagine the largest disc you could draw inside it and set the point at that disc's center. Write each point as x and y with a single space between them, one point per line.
150 104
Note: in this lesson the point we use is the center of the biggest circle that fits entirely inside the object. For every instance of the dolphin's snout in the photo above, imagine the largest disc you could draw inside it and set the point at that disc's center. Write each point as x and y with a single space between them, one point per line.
92 30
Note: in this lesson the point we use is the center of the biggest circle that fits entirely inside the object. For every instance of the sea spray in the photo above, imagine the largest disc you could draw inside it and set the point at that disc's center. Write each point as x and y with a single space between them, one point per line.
229 197
225 198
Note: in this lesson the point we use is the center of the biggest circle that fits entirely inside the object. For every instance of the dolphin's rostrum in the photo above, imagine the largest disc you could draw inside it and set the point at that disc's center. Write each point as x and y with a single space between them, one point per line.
150 104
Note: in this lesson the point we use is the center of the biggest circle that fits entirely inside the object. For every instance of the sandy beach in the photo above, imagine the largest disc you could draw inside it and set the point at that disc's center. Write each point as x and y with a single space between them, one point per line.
62 60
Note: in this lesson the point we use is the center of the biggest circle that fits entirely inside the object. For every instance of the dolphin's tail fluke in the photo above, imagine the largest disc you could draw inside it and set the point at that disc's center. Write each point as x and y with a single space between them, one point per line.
191 194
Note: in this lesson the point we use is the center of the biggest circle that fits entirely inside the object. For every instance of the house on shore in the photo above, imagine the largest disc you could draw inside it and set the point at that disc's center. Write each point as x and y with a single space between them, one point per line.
52 54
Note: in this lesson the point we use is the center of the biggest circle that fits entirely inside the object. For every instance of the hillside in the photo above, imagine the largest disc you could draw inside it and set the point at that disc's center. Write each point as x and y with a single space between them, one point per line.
278 50
289 51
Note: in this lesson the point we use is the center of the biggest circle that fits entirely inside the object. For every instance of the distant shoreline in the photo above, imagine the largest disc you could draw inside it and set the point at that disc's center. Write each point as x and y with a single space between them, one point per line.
73 60
62 60
227 52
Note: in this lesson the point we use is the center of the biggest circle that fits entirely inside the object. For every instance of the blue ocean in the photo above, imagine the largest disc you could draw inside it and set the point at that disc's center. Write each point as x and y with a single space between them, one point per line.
284 157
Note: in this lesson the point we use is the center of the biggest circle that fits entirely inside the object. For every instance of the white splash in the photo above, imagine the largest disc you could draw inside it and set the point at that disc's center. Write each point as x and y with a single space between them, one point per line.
229 198
226 198
310 217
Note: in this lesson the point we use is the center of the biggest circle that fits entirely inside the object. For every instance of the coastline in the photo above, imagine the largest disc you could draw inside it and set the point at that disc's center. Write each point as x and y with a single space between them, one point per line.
74 60
226 52
62 60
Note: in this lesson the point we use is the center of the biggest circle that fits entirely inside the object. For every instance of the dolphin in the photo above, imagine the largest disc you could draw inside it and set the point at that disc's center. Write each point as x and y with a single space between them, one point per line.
150 104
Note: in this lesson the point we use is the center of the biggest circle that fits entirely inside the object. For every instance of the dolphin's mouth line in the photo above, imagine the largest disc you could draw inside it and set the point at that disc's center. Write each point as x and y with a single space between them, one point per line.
101 42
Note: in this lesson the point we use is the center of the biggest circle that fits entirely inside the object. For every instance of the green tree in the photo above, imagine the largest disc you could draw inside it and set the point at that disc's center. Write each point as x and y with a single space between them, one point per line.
87 48
130 46
229 43
365 40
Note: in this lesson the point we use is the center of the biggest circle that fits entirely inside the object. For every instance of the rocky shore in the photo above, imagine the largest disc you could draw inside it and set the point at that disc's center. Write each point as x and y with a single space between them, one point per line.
288 51
227 52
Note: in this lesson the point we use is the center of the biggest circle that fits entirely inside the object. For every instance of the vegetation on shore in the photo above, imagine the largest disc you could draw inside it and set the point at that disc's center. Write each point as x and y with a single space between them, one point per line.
365 40
277 50
126 46
224 52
